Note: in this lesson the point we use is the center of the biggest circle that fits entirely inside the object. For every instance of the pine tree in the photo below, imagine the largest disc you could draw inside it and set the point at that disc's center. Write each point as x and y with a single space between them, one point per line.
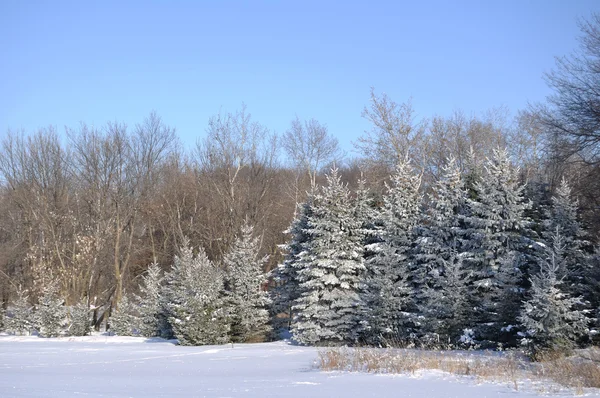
153 320
441 275
196 307
80 320
389 295
285 276
562 218
245 281
495 237
549 316
50 312
21 319
368 217
125 321
447 310
329 308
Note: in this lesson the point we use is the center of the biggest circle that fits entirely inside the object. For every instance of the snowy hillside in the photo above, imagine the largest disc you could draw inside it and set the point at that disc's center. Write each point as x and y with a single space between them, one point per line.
134 367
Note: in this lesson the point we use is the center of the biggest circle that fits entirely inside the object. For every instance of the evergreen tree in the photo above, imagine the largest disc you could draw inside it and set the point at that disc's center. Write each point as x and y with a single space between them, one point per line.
562 218
441 273
389 290
495 238
245 280
196 307
21 319
549 316
153 320
447 310
369 219
50 312
329 308
285 276
80 319
124 321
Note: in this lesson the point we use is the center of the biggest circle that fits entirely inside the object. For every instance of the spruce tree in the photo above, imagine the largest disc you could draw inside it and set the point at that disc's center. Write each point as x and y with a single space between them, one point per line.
245 280
329 308
369 219
285 276
153 320
196 307
562 218
124 321
550 316
440 270
389 291
447 312
50 312
80 320
495 237
441 273
21 319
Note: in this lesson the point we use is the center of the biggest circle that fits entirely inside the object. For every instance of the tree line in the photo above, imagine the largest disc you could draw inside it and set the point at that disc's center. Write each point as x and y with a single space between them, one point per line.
471 267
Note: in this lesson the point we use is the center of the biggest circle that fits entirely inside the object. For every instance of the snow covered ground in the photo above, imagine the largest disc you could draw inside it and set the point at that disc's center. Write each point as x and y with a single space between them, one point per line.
102 366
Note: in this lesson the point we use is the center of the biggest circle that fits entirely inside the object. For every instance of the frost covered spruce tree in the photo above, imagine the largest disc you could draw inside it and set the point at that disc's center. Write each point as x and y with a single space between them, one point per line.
444 279
21 319
369 217
196 306
562 218
249 314
496 240
153 320
124 320
329 308
80 320
285 276
549 317
389 292
50 313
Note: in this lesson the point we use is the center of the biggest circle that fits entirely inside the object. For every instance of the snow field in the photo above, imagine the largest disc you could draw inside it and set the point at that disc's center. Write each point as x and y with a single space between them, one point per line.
106 366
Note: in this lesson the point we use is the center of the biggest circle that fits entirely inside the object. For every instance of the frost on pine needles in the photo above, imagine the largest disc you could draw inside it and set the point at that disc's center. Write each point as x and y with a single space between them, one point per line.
549 316
124 320
151 306
197 311
389 292
19 318
245 280
329 308
80 319
50 312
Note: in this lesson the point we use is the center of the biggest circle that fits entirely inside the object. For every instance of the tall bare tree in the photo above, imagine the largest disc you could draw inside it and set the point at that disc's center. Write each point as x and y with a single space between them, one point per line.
394 136
237 161
309 147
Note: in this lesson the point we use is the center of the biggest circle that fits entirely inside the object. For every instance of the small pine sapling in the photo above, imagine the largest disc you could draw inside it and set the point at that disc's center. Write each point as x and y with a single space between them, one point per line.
50 314
124 320
19 319
80 319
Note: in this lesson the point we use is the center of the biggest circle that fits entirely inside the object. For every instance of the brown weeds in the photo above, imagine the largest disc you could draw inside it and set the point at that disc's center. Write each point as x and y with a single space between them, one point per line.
577 372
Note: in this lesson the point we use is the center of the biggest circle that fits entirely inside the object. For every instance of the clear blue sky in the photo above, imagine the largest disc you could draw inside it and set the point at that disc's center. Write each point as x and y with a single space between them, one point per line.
62 62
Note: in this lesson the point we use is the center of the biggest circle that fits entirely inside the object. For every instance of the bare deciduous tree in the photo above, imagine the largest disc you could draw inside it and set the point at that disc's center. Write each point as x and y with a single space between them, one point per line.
309 146
395 135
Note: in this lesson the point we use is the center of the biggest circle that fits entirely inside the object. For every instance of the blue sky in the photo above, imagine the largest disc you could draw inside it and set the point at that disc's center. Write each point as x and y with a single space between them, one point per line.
64 62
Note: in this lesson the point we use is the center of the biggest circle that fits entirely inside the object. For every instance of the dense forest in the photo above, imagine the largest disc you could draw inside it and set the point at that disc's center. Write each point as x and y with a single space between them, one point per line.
435 227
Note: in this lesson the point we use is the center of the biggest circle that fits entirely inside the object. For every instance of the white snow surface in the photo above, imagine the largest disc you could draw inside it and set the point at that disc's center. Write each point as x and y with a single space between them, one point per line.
107 366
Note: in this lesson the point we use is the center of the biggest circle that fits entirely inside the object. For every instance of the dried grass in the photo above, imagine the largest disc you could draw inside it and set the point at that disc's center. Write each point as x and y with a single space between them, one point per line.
576 372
